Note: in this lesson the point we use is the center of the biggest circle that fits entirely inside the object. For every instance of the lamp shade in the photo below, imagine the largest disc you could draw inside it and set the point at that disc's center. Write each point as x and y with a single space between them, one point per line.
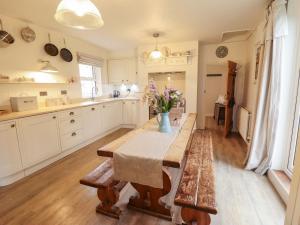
155 54
80 14
48 68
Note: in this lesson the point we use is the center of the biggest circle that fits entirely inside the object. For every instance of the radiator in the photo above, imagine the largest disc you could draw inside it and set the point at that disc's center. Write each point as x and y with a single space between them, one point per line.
243 123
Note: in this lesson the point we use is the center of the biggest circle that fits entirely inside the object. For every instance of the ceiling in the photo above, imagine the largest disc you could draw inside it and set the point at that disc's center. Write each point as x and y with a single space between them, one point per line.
129 23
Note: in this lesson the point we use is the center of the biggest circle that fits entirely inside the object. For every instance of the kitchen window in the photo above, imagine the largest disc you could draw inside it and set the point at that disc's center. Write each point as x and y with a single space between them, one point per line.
90 72
90 79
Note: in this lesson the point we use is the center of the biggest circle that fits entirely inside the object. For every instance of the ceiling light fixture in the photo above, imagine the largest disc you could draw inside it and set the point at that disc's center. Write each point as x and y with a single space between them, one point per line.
80 14
47 67
156 54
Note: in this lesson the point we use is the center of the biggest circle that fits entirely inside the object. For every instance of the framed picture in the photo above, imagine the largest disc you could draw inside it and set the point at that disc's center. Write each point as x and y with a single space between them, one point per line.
257 61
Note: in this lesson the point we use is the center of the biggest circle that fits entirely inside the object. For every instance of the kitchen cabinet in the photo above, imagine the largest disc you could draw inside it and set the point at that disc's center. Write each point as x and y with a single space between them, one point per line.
92 121
39 138
111 114
10 158
122 71
71 128
130 112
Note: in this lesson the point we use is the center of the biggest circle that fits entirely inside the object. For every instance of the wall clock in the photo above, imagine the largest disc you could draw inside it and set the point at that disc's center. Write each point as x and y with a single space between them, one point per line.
28 34
222 52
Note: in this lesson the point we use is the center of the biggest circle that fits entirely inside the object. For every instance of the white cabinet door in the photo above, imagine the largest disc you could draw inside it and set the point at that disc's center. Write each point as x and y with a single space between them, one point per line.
10 159
92 121
122 70
130 112
111 114
39 138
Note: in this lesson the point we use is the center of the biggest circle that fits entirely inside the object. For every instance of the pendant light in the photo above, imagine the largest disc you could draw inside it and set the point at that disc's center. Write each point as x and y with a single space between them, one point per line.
47 67
80 14
156 54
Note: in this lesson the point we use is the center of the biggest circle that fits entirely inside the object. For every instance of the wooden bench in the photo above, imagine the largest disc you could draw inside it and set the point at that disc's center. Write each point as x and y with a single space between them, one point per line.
108 188
196 190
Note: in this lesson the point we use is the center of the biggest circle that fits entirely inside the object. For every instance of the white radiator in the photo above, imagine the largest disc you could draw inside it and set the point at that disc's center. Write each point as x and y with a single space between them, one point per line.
243 123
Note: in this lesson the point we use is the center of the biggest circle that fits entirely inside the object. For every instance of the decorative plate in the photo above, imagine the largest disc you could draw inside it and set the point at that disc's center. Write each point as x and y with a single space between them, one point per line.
28 34
222 52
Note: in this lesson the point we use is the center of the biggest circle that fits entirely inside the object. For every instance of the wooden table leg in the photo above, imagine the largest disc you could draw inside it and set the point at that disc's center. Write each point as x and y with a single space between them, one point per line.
195 217
148 199
108 197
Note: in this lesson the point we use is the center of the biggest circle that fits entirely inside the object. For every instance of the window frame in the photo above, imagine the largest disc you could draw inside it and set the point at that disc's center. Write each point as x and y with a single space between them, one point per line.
96 89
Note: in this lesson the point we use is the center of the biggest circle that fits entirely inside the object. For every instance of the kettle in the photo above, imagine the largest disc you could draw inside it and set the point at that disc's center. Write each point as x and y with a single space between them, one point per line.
116 93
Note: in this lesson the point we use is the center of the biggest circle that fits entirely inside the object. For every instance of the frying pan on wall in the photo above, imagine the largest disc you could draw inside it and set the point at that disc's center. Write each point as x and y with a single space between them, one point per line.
5 38
50 48
66 54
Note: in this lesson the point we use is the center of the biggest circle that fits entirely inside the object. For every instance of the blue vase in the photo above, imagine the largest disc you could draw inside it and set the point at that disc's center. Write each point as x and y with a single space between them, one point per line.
164 123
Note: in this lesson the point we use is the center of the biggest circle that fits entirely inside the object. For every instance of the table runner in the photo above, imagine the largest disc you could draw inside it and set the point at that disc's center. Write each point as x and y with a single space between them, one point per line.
140 158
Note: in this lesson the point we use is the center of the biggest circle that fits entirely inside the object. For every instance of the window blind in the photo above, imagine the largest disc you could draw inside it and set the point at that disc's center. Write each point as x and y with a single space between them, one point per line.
89 60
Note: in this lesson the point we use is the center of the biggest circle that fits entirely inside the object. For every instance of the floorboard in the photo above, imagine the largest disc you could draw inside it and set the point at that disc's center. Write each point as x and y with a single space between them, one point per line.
53 196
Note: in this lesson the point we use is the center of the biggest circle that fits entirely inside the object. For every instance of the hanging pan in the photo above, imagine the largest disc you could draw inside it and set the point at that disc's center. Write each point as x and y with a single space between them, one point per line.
5 38
50 48
66 54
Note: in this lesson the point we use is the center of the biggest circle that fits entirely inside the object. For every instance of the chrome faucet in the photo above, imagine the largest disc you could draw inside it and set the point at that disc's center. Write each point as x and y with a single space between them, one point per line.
94 91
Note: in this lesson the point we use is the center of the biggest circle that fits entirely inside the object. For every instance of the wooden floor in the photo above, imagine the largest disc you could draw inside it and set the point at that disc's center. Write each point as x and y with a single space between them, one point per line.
53 196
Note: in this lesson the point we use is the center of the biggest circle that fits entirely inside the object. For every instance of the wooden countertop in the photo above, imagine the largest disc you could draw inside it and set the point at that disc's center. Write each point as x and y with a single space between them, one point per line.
51 109
176 152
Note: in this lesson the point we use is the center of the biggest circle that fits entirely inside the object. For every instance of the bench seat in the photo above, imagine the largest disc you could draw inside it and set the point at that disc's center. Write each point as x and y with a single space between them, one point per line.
108 188
196 190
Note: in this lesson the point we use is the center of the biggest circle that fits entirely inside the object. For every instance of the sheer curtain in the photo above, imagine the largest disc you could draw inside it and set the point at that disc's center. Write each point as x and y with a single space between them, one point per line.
266 121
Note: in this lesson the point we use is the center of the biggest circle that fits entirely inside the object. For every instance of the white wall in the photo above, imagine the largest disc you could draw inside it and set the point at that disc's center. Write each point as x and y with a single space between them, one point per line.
21 58
207 56
214 86
191 72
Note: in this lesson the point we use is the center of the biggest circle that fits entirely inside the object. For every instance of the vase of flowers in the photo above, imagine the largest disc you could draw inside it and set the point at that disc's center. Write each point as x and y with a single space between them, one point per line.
162 103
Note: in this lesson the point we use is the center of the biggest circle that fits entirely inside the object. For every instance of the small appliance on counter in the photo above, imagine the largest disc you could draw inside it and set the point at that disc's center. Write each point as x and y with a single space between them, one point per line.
19 104
116 94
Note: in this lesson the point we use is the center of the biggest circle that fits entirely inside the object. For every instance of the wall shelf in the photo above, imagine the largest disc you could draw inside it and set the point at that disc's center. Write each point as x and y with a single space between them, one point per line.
24 82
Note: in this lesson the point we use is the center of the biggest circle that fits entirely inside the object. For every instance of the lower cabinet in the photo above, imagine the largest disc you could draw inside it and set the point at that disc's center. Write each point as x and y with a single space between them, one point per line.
130 112
10 159
92 121
38 138
111 114
71 128
29 141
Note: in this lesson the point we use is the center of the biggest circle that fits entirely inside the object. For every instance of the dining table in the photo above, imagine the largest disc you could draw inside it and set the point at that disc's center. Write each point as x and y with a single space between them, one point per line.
139 154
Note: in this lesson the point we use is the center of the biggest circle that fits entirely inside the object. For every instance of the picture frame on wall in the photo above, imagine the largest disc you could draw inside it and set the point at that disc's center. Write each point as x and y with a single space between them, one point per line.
257 61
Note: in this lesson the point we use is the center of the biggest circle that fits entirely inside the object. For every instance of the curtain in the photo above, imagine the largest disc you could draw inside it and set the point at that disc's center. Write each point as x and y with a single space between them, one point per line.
266 121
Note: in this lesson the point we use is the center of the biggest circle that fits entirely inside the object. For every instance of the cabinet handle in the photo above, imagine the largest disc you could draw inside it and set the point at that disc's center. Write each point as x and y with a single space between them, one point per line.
72 121
103 106
93 109
54 117
74 134
13 126
71 113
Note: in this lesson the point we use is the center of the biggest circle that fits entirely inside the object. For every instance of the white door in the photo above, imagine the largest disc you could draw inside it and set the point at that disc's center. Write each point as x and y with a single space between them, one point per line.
39 138
10 159
92 121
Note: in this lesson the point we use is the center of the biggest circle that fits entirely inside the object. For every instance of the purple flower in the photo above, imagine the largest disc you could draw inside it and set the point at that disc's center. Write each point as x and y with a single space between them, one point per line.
167 94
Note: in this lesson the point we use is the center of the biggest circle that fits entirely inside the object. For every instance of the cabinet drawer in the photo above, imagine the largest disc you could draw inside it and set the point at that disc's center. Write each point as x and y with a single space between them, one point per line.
64 115
71 139
70 124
